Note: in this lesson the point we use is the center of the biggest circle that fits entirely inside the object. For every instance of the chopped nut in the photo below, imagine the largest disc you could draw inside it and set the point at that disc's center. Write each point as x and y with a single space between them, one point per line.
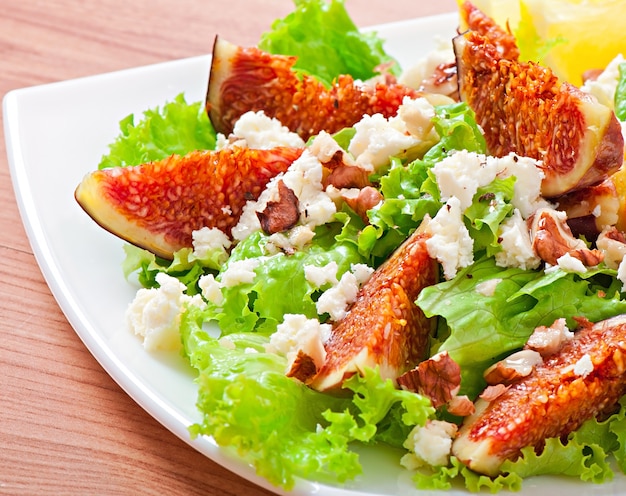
280 215
438 378
303 367
548 340
347 176
461 406
552 238
513 367
492 392
367 198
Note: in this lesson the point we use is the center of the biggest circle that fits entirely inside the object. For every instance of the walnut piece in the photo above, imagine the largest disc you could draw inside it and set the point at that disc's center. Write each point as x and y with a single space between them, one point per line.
438 378
282 214
552 238
513 367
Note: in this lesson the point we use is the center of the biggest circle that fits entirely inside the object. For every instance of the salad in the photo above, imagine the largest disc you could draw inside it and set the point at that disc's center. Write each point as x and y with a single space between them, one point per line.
273 295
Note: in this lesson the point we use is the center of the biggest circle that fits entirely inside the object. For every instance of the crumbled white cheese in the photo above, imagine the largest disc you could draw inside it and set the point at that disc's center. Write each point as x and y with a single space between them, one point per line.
298 333
336 300
362 272
293 240
429 445
568 263
417 115
462 173
263 132
584 366
207 240
319 276
211 289
517 250
155 313
527 190
324 147
488 288
240 272
450 242
603 88
376 139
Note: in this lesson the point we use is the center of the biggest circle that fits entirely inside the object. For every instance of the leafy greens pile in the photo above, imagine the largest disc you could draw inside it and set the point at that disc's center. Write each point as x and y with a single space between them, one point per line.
282 427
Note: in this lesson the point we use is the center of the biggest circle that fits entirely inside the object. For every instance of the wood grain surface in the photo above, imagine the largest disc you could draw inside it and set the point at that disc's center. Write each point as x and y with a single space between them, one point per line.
65 426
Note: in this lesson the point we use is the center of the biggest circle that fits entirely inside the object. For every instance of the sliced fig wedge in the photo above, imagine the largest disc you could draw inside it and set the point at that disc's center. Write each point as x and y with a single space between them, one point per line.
523 108
582 380
248 79
158 205
384 327
474 19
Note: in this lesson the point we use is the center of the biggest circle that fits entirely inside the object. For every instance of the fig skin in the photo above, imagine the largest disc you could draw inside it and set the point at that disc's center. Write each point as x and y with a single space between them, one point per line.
248 79
384 328
523 108
158 205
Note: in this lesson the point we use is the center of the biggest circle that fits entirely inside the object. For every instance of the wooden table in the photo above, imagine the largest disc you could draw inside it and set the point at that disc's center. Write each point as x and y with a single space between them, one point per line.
65 426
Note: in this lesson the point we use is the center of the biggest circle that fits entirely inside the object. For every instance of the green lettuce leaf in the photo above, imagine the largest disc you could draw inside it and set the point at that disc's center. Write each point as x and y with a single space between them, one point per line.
326 41
283 428
177 128
280 286
481 328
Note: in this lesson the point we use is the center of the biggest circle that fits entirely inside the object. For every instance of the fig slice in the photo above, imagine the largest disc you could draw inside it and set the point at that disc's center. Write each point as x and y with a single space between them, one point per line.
584 379
384 328
523 108
248 79
158 205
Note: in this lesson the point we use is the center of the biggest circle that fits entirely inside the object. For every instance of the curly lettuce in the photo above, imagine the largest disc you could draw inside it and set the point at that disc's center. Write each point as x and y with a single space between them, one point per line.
327 42
177 128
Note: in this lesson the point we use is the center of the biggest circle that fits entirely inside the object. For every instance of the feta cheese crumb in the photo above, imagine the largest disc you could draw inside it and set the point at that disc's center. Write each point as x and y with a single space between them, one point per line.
211 289
376 139
293 240
528 177
298 333
584 366
319 276
262 132
336 300
207 240
154 314
240 272
569 263
517 249
462 173
450 242
429 445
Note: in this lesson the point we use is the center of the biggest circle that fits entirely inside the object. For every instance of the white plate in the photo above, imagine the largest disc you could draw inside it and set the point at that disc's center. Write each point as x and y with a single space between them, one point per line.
58 132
